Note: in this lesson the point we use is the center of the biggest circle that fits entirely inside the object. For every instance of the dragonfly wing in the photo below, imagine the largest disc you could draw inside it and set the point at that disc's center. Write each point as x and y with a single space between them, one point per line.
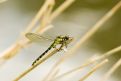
36 37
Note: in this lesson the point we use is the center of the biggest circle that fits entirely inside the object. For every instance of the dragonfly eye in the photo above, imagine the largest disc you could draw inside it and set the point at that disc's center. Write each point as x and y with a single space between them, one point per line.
66 38
60 37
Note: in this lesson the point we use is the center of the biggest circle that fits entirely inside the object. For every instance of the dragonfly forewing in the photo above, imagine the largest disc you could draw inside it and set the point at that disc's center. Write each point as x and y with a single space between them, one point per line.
36 37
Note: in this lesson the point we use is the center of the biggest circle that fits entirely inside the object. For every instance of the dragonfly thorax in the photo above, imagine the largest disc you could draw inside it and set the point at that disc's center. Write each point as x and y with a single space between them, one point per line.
60 39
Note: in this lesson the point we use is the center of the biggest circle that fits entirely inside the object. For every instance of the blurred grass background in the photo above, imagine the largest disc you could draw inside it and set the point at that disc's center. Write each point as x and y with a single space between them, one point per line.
75 21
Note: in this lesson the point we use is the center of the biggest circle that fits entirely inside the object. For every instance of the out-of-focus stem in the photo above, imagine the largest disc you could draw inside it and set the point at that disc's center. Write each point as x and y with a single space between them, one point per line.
38 16
11 51
53 76
46 17
2 1
112 70
110 52
95 68
60 9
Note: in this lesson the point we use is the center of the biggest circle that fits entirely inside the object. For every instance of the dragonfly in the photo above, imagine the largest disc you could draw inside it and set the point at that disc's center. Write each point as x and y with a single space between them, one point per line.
60 40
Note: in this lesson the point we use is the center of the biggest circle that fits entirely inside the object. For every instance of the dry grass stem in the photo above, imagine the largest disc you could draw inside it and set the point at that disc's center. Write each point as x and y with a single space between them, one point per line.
91 60
103 56
42 30
109 53
67 73
11 51
112 70
2 1
76 69
95 68
2 61
38 16
34 66
88 62
60 9
94 29
53 76
46 17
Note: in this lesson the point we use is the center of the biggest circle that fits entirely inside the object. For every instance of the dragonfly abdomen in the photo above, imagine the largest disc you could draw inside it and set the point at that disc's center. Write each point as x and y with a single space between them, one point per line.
41 55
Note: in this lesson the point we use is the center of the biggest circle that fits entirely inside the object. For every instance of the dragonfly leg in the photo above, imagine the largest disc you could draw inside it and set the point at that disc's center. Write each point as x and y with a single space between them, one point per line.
66 44
61 47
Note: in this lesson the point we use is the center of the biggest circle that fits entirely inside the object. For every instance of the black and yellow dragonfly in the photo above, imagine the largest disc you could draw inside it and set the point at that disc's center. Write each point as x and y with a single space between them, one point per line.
63 41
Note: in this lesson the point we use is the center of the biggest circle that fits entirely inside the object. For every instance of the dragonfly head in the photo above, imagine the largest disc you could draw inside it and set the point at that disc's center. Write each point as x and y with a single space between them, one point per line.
65 38
68 39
